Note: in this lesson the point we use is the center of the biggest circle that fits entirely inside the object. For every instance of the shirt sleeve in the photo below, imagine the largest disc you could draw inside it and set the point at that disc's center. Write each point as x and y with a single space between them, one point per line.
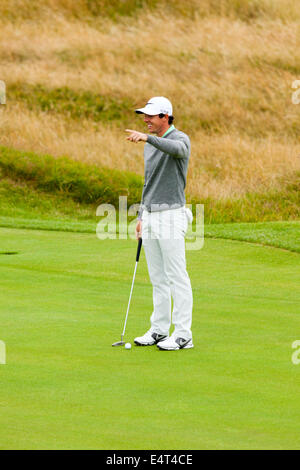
140 213
178 148
141 208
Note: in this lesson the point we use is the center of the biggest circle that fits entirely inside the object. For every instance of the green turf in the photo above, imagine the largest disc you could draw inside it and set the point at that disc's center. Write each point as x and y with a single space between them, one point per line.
63 300
284 235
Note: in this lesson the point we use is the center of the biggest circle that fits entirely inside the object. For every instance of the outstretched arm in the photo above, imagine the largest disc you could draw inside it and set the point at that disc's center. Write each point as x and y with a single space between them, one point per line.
136 136
177 148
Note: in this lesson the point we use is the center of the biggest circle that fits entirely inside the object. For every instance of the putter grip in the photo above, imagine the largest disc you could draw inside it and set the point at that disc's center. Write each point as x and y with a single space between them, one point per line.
139 249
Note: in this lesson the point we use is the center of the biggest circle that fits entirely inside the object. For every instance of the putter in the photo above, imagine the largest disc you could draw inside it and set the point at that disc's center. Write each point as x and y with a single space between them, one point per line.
121 343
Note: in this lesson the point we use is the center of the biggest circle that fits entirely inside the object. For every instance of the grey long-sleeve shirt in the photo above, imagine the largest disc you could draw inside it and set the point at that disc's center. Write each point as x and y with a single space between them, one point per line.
166 163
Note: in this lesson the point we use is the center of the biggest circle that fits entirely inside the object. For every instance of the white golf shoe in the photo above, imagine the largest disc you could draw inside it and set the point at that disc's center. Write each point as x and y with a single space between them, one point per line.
173 344
149 339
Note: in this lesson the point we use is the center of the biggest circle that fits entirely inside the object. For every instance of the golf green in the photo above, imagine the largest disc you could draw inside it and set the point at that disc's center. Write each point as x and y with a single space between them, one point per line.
63 301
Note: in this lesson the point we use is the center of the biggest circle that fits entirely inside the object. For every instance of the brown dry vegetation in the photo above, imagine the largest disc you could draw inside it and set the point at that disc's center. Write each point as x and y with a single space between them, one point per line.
228 68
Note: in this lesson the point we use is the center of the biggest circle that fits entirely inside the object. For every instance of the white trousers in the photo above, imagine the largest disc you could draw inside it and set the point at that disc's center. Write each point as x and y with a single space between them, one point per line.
163 235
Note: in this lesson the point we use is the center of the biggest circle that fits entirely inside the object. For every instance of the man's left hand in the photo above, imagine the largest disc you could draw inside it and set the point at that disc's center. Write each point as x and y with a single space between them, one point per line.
136 136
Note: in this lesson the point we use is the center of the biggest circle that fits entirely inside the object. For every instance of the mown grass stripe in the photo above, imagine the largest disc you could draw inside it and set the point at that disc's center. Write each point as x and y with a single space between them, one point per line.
283 235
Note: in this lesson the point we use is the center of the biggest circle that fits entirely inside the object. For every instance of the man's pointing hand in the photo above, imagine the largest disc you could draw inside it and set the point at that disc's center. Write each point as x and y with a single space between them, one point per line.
136 136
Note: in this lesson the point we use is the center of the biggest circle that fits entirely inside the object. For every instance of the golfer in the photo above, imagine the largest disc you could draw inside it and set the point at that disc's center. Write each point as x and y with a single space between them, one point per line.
162 223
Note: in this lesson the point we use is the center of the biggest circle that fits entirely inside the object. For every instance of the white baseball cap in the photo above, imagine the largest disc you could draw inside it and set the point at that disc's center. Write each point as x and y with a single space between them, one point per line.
157 105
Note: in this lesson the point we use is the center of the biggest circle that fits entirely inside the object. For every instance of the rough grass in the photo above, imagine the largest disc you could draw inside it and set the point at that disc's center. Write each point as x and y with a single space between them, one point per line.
82 183
21 200
245 10
27 178
282 204
221 166
70 103
228 67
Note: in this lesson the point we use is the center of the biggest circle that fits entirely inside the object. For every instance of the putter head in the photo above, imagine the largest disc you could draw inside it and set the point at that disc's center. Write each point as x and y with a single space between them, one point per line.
118 343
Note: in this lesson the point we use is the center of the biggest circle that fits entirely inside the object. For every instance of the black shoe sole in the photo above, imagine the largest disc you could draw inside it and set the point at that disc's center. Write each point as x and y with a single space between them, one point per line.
141 344
152 344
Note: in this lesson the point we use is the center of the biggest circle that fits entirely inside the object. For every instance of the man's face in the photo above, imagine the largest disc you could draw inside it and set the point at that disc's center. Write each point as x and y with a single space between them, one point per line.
155 123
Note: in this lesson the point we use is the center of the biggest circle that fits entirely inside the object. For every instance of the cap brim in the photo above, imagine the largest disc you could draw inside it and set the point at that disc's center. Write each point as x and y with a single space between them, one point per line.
146 111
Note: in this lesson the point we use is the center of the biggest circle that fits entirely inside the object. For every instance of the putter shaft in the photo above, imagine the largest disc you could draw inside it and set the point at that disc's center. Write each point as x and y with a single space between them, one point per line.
121 343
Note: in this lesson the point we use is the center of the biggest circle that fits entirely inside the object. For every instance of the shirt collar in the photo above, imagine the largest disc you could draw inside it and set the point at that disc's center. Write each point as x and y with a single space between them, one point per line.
169 130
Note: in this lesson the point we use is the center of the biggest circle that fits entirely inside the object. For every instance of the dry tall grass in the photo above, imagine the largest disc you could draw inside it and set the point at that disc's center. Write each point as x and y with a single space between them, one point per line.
229 80
221 165
247 10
